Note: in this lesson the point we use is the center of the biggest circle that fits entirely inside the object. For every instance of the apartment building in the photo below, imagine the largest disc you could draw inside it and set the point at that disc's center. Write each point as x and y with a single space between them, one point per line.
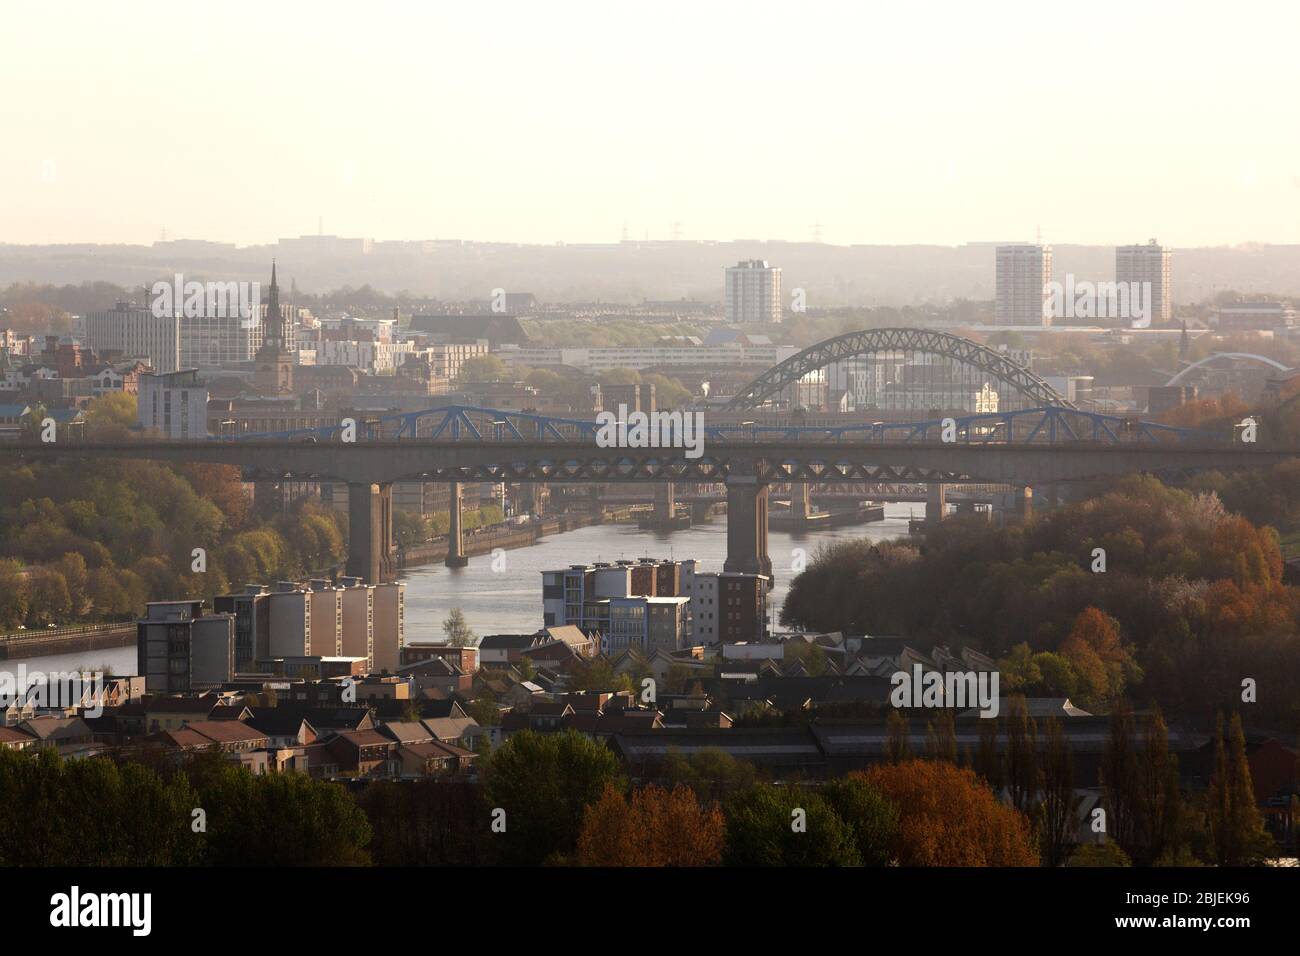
1149 266
752 292
174 403
1024 272
179 648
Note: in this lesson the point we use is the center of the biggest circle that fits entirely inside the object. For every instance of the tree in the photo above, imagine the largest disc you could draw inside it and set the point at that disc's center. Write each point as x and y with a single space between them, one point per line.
111 415
431 822
1119 779
870 817
13 594
1099 854
1237 833
898 748
655 827
276 819
544 782
941 737
1159 802
948 817
1099 658
457 630
785 826
1057 812
48 601
1021 756
483 368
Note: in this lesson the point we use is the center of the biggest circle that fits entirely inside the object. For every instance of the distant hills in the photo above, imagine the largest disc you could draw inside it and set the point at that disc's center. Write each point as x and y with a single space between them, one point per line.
629 272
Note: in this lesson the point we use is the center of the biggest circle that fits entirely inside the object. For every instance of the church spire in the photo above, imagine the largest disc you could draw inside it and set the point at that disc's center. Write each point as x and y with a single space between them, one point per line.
274 320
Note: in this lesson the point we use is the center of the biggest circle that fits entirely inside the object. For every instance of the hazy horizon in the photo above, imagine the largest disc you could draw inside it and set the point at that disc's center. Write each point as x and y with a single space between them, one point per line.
582 122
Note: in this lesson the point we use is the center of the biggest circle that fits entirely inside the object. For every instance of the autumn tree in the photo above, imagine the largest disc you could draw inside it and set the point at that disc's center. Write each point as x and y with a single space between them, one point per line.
948 817
1237 829
656 827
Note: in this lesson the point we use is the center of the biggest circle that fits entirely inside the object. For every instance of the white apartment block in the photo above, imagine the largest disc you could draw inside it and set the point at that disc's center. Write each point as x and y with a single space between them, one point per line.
136 333
702 588
174 403
687 356
358 620
377 358
1024 272
752 292
1148 263
447 358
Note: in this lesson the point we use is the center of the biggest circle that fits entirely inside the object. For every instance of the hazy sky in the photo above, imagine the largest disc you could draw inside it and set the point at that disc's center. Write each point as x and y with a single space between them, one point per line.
538 122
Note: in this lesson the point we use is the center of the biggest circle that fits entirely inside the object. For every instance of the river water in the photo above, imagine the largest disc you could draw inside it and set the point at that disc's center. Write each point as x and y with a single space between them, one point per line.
508 600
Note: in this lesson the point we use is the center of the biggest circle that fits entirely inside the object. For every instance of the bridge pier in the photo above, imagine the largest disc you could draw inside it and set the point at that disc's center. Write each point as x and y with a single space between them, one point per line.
1024 502
747 526
455 537
530 498
370 532
800 502
665 503
936 500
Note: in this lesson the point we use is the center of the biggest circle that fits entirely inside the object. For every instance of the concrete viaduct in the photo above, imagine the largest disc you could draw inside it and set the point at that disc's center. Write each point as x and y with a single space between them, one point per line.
746 467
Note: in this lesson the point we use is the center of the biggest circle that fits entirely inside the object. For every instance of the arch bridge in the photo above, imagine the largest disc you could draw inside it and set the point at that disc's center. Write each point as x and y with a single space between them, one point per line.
1027 387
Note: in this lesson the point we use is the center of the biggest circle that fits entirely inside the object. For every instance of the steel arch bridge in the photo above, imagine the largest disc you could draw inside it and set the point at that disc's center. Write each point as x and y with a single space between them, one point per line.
929 341
1233 356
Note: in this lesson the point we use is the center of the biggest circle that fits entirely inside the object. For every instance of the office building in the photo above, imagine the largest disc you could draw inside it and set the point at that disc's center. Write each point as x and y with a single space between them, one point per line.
136 333
219 340
1024 274
1143 265
752 292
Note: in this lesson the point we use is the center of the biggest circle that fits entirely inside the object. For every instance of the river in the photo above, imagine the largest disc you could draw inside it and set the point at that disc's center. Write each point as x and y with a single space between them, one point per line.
509 600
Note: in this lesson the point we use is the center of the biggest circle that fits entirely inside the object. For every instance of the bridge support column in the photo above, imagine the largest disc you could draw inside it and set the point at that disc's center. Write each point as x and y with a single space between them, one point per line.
747 526
455 537
531 497
800 500
370 533
1024 502
665 503
936 499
